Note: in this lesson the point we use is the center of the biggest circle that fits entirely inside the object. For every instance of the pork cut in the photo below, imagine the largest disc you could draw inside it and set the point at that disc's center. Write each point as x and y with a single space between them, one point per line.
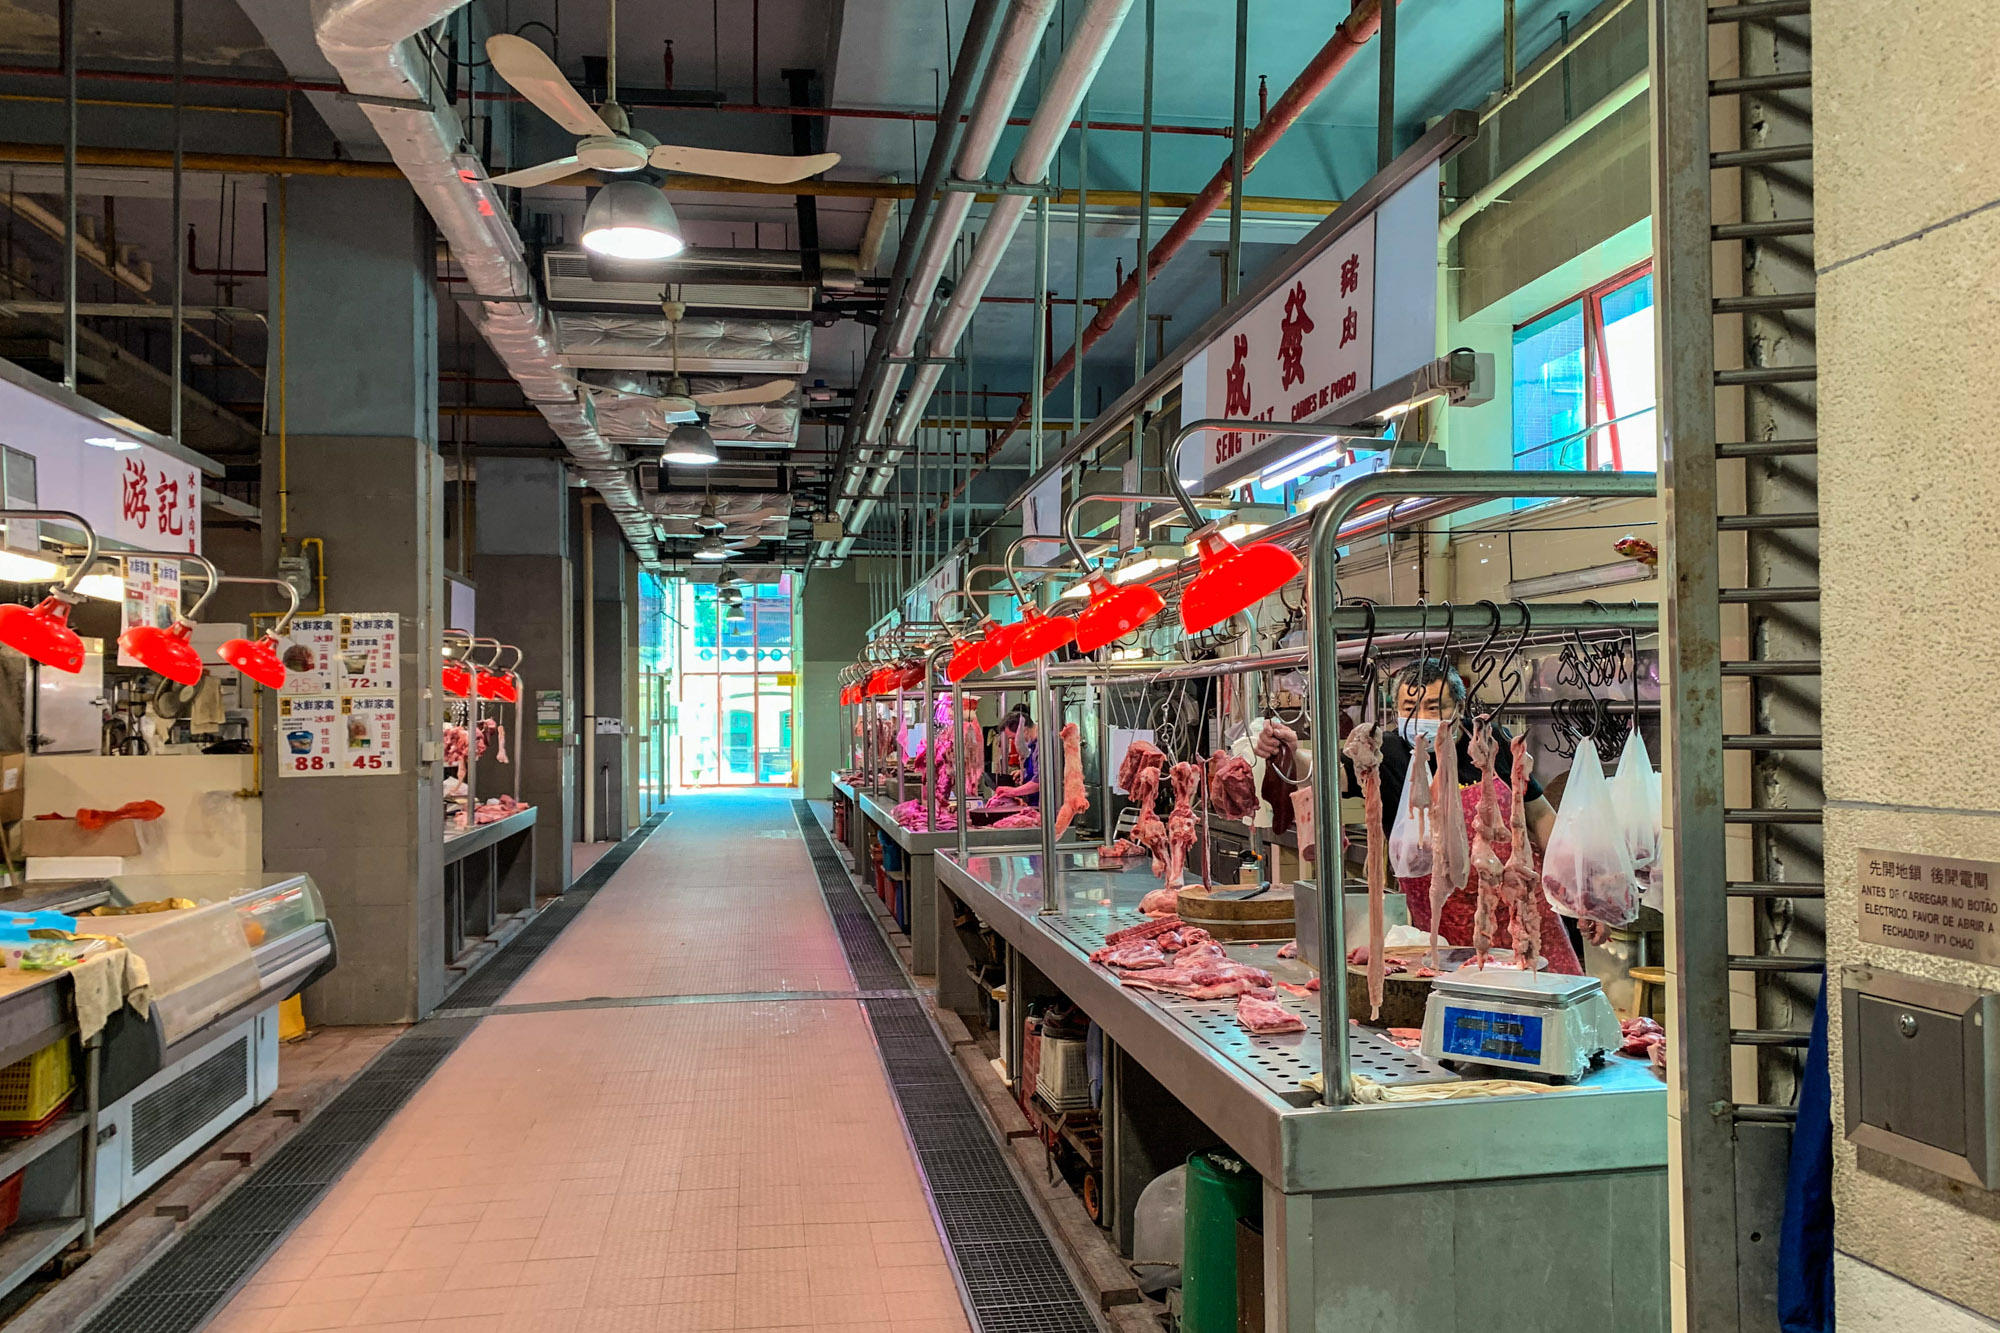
1075 796
1520 883
1161 902
1232 788
1363 749
1278 746
1487 831
1139 754
1266 1017
1186 779
1148 831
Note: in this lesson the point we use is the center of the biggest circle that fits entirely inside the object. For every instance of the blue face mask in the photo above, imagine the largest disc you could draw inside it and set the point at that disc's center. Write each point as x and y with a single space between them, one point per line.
1410 727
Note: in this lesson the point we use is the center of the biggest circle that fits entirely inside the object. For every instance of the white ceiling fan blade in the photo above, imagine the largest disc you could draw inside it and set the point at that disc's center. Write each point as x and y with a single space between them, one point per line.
769 168
769 392
542 175
528 69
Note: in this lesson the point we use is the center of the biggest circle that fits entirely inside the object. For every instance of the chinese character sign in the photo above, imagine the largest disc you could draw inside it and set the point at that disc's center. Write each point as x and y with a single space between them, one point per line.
1930 904
159 501
1301 352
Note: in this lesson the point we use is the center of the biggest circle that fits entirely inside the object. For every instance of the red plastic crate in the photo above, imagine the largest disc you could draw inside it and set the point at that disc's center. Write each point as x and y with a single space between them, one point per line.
10 1200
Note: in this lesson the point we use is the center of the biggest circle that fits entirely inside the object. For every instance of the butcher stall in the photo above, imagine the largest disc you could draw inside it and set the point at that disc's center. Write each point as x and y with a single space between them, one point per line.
489 836
1380 1100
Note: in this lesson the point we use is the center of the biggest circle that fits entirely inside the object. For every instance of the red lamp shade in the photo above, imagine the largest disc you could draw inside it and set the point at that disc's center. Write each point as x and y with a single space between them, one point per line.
491 685
1233 578
507 689
964 660
882 682
913 676
457 680
1114 612
993 649
43 633
1040 635
166 651
257 659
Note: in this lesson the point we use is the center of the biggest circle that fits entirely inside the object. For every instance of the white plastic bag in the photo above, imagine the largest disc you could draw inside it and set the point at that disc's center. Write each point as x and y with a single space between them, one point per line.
1410 835
1635 796
1587 870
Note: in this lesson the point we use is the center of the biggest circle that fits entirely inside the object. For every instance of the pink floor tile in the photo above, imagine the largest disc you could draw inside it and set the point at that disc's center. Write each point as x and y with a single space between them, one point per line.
733 1165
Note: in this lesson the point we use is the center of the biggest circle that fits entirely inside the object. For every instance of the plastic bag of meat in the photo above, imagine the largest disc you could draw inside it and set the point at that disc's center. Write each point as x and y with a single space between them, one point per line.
1635 796
1587 869
1232 789
1410 834
1266 1017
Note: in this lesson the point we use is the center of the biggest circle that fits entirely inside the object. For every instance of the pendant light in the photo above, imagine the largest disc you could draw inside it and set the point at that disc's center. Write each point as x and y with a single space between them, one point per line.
1233 577
690 444
1039 635
456 675
711 548
993 648
168 652
631 219
258 658
964 659
1114 612
42 632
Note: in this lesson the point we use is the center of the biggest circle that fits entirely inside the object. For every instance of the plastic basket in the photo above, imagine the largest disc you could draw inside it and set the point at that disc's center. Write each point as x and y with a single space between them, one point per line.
10 1200
33 1089
1063 1077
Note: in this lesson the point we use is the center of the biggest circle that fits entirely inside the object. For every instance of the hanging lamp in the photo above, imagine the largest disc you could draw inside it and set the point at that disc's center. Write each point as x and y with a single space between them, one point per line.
1233 577
168 652
1039 635
258 658
1114 612
42 632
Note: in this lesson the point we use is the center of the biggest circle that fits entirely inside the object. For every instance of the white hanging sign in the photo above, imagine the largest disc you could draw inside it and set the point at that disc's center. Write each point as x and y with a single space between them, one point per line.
339 711
152 597
307 651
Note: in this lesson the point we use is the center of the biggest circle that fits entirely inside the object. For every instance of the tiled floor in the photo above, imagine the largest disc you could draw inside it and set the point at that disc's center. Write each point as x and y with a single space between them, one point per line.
583 855
729 1165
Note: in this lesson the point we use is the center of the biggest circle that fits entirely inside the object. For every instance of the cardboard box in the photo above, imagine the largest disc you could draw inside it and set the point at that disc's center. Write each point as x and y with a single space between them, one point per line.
12 792
65 837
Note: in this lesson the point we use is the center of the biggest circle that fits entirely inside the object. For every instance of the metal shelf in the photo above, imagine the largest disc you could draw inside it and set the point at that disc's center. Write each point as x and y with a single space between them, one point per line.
28 1245
26 1151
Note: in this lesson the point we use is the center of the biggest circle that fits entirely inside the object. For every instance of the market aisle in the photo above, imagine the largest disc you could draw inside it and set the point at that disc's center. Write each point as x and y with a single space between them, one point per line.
720 1164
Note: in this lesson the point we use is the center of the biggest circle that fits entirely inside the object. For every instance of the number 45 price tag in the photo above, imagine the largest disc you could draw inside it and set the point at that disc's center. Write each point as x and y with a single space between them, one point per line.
368 733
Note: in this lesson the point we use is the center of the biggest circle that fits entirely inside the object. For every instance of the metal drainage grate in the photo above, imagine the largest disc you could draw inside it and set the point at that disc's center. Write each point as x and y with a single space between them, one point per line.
1006 1265
192 1279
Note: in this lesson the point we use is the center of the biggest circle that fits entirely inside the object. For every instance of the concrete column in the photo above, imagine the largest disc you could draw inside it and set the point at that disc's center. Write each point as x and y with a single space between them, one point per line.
1909 314
524 575
361 468
605 615
833 618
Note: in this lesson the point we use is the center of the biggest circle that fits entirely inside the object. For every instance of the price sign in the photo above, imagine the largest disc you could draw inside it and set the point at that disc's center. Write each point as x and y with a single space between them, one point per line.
365 657
309 735
307 651
368 733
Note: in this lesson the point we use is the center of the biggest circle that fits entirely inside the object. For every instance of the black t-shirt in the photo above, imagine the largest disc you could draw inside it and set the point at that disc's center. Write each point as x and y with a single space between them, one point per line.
1396 767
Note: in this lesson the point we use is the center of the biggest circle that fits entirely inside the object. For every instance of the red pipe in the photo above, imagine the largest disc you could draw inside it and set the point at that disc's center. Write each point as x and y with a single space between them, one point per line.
1348 38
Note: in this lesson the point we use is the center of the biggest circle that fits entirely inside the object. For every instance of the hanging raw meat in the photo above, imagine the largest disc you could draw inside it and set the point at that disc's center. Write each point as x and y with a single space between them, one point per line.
1363 749
1520 885
1138 755
1487 832
1443 788
1075 797
1186 778
1149 832
972 749
1232 790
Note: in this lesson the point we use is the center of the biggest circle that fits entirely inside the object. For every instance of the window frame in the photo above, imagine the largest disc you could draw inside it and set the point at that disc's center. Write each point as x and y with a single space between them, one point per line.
1600 410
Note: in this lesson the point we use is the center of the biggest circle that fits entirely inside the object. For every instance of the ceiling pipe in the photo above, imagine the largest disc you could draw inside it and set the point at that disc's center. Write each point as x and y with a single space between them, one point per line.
879 378
1006 71
369 44
1083 55
1353 33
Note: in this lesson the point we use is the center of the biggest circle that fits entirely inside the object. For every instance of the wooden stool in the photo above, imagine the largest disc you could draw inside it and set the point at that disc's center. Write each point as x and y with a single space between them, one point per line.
1644 978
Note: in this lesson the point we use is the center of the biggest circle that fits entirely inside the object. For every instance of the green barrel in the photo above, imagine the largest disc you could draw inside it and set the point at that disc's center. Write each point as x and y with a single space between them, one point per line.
1221 1191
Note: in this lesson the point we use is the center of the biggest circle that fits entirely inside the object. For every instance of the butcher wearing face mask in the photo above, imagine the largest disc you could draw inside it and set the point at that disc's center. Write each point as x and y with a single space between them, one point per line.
1427 694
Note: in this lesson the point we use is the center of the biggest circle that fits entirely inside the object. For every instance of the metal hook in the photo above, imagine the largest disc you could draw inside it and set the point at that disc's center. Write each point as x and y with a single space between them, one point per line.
1513 680
1483 660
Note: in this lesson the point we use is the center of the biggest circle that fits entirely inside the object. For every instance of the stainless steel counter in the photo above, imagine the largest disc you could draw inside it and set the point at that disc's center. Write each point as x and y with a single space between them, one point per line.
1245 1087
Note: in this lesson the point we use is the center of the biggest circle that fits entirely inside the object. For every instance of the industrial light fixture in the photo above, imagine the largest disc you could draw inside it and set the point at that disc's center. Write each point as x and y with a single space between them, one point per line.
688 443
20 567
258 658
168 652
1233 577
103 587
1114 612
42 632
711 548
993 649
631 220
1309 459
111 442
706 517
1252 519
1039 635
965 653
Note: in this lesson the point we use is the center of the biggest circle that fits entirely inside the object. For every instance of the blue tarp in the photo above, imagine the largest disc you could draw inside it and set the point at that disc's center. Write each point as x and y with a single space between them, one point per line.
1805 1242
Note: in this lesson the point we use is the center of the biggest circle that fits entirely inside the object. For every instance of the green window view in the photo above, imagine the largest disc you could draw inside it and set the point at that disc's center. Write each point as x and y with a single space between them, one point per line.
734 684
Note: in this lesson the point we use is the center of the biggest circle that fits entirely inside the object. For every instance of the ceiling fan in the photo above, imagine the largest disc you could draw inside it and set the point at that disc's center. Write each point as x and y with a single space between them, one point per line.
607 142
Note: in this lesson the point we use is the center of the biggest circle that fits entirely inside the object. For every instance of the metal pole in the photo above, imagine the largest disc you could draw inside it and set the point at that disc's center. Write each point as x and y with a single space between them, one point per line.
1236 153
1082 213
1049 776
1509 52
1145 225
958 778
1385 107
93 1063
180 223
68 20
896 739
933 736
1323 595
1041 355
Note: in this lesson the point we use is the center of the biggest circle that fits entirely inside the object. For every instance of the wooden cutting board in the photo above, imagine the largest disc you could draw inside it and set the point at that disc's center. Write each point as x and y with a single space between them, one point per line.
1269 916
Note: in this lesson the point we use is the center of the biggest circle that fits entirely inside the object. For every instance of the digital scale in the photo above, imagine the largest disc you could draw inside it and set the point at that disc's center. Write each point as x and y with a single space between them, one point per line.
1525 1022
